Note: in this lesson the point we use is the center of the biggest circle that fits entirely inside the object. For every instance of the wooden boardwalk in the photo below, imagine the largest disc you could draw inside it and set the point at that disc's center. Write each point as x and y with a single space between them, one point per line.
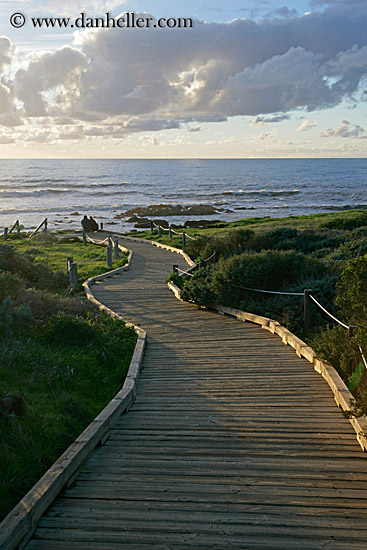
233 441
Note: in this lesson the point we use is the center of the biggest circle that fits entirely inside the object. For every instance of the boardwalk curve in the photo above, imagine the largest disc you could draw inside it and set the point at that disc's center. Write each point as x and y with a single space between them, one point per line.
233 441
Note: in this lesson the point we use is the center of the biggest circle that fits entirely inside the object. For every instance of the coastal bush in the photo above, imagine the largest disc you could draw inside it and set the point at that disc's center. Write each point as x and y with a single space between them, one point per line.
33 273
61 355
198 288
289 238
236 241
352 291
359 219
227 281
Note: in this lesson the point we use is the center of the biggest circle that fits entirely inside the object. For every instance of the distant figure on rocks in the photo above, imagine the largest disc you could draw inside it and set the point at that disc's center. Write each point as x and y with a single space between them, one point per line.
86 224
93 224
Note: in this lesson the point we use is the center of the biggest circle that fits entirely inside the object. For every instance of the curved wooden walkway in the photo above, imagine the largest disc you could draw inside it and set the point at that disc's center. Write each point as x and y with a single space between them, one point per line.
233 441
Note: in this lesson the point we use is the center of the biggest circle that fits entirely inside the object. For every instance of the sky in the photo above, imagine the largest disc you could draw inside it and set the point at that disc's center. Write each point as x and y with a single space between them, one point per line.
249 79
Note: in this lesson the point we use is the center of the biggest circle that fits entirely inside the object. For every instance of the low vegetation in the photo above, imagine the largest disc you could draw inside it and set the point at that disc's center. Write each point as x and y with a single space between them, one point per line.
61 360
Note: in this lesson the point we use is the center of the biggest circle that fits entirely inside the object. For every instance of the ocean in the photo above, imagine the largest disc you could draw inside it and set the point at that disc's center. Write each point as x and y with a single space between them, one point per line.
65 190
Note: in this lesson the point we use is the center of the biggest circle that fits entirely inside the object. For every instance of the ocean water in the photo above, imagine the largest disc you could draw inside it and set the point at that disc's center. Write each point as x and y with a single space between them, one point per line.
65 190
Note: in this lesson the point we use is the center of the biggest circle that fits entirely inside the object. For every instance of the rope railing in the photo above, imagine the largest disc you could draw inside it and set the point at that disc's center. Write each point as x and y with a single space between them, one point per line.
268 291
328 313
363 357
183 234
210 257
184 272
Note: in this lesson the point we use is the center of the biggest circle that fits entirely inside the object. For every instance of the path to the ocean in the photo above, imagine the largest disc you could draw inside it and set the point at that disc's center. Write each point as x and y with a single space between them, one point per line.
233 440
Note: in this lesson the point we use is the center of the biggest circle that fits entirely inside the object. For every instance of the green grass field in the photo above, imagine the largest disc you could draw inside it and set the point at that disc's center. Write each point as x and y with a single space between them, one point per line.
57 351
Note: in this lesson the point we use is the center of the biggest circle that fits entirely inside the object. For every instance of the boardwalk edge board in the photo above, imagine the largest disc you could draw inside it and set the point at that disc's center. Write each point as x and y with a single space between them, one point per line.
19 525
342 395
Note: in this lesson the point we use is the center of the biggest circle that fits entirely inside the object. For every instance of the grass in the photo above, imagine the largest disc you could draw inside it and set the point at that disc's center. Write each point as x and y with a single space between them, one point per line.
331 220
58 352
54 250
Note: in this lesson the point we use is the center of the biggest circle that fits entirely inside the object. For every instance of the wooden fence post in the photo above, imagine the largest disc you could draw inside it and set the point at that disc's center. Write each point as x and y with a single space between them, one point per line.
109 256
116 249
159 230
151 227
18 227
73 274
170 232
5 233
306 308
45 224
174 268
101 226
183 238
84 239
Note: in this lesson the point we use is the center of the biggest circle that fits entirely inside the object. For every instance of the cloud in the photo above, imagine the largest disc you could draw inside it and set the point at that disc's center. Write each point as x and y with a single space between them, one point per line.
345 130
264 121
72 7
136 80
306 125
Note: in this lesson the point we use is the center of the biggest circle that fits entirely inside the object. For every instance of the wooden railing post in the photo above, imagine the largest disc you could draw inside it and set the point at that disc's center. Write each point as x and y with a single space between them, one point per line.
307 308
183 238
101 226
159 230
109 256
45 224
5 233
116 249
151 227
18 227
84 239
174 268
170 232
73 274
69 260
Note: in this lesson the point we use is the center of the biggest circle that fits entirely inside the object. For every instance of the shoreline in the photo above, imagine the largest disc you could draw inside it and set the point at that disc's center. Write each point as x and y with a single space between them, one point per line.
213 220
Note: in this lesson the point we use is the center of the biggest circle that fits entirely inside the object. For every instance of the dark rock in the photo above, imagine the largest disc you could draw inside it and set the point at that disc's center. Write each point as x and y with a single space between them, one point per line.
171 210
202 224
12 403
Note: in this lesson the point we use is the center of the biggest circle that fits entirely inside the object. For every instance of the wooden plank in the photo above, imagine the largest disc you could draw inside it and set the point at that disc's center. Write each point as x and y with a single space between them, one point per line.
233 441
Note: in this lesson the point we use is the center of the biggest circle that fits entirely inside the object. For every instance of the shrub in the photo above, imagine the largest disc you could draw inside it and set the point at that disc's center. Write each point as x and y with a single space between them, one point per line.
352 291
359 219
236 241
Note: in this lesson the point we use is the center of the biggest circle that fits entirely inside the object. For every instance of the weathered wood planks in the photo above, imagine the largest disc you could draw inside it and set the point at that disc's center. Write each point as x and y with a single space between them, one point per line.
233 441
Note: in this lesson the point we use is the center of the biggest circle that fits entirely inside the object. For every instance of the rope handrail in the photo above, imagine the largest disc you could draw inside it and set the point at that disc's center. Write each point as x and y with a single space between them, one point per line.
173 231
210 257
363 357
100 242
268 291
185 272
328 313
